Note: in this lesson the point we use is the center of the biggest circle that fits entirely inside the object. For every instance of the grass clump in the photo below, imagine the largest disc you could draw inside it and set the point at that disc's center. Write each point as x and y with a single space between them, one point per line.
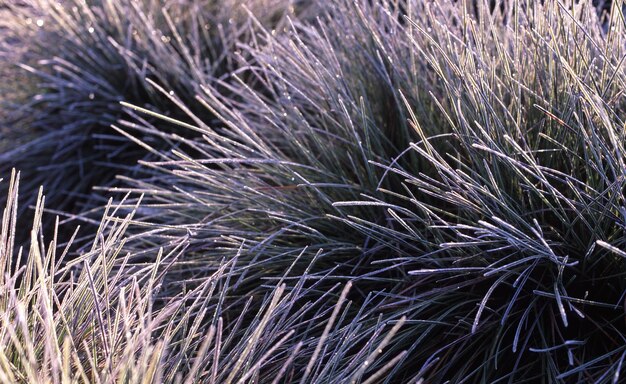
83 58
461 165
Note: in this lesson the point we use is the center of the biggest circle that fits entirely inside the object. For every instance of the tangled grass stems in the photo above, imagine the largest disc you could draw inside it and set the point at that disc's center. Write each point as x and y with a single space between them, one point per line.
85 57
464 167
101 318
398 191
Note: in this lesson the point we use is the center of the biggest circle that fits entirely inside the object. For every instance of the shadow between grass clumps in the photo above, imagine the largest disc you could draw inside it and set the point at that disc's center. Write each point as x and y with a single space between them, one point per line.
466 175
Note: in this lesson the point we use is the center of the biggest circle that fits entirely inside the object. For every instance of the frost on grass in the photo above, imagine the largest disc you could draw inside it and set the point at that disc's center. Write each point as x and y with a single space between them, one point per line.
102 318
396 191
463 168
80 59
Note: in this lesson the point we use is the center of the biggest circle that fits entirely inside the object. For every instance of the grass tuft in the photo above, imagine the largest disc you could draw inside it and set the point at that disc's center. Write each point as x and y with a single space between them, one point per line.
464 166
83 58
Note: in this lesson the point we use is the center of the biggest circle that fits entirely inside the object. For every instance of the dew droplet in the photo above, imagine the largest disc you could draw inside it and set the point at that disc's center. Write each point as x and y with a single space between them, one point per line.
91 96
90 29
39 22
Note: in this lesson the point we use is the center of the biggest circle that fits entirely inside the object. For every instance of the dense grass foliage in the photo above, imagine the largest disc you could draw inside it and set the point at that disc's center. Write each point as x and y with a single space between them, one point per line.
96 318
83 58
392 191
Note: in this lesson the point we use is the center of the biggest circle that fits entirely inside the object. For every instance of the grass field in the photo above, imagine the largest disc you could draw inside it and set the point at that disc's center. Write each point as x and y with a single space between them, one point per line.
285 191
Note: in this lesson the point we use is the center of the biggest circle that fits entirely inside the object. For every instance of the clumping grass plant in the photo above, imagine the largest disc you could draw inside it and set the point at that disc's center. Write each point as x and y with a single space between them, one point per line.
393 192
84 57
462 166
